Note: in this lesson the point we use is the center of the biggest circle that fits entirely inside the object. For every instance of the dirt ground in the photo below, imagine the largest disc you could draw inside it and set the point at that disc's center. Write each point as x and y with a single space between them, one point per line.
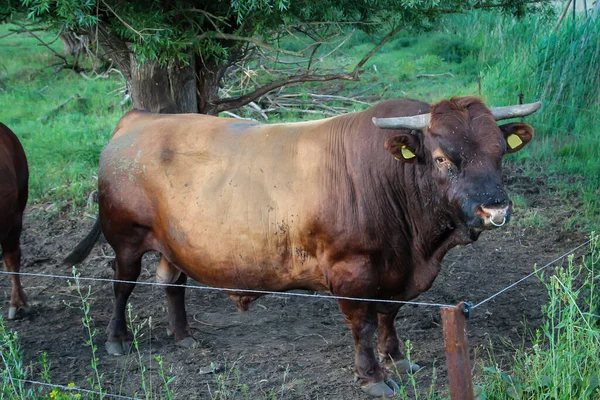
284 347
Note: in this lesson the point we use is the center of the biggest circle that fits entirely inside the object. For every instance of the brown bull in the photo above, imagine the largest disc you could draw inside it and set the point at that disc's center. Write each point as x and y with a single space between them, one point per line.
360 205
14 176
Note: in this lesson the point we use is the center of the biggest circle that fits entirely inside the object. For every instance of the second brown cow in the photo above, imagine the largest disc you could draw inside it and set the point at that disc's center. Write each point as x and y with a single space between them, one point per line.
14 177
360 205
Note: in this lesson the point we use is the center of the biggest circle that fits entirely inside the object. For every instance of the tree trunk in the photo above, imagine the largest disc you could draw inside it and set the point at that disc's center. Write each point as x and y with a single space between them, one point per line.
166 89
73 44
209 77
157 88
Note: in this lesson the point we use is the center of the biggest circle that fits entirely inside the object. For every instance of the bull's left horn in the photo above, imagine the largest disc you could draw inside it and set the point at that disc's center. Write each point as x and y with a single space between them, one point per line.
417 122
520 110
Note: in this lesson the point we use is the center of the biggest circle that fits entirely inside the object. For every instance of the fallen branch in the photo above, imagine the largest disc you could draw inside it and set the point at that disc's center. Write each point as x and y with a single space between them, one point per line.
257 108
360 92
237 116
323 97
434 75
55 110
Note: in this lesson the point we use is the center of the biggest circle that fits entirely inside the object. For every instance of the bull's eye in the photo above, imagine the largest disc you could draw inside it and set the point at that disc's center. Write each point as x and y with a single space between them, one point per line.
442 161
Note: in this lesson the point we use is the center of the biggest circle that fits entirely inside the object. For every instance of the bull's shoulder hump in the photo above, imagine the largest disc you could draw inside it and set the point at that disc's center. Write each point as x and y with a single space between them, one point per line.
128 119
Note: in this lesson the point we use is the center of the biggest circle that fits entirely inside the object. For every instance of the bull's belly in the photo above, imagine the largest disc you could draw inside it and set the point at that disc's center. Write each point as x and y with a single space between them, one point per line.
237 261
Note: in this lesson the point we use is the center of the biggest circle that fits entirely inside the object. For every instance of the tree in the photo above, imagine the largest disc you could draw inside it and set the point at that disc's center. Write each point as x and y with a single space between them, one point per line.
175 54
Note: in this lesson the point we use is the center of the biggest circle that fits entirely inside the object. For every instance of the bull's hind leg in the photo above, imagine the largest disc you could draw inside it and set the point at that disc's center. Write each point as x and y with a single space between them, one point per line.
128 264
11 248
389 345
178 325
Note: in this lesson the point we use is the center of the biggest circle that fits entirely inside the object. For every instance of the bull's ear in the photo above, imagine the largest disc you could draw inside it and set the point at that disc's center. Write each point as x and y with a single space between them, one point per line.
405 147
517 135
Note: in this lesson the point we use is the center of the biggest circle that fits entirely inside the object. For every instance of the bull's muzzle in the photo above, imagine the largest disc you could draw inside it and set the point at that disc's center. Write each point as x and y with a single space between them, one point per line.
493 216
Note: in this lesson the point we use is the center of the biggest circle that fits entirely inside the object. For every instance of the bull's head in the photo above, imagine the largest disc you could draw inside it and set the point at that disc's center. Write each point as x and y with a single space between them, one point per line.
463 146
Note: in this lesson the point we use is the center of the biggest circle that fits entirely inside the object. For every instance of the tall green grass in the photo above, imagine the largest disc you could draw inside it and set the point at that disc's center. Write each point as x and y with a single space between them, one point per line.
62 145
563 360
562 69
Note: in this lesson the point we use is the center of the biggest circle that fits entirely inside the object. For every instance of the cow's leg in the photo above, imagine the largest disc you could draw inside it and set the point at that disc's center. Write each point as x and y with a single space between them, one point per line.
389 345
361 319
11 248
127 265
178 325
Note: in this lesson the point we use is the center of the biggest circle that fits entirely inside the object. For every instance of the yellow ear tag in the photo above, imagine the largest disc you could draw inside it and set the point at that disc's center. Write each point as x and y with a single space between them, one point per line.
514 141
407 154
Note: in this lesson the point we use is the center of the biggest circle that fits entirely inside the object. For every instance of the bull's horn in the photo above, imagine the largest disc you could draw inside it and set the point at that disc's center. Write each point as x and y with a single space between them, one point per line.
417 122
520 110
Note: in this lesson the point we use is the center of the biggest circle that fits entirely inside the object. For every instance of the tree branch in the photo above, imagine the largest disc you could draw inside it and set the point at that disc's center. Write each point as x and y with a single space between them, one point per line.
375 49
239 101
210 17
46 45
116 49
256 42
123 21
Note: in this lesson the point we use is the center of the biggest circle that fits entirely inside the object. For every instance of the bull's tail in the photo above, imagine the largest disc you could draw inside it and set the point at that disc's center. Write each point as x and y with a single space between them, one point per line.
84 247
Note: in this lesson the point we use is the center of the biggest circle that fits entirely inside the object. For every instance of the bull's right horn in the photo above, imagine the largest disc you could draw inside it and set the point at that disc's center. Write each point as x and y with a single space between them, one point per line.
520 110
416 122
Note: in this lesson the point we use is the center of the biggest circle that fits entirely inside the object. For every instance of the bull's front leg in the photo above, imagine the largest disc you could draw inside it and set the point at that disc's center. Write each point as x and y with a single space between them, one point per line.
361 319
389 345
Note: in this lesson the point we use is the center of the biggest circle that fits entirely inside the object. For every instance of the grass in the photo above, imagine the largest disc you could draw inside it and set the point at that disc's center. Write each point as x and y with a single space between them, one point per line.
563 360
63 146
562 69
15 376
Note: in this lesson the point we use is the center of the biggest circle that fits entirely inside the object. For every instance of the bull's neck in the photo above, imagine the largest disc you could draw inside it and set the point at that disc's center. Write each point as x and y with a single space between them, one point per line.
389 203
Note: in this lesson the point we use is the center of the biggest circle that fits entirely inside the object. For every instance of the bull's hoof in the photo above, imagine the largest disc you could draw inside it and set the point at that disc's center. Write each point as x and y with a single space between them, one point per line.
387 388
17 312
118 348
403 366
392 384
187 343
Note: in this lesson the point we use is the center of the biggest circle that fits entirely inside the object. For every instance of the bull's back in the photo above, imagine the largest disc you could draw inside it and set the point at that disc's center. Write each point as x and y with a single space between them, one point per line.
224 196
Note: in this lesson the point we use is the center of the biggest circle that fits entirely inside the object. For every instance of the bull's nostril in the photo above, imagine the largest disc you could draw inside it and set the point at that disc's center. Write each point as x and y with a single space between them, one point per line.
480 212
492 215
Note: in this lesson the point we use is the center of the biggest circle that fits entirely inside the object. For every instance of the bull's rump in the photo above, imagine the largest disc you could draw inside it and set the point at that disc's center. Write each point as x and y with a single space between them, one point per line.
8 200
13 180
229 202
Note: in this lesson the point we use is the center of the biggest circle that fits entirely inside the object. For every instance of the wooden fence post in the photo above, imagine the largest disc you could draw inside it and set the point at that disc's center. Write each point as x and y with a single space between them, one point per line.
457 351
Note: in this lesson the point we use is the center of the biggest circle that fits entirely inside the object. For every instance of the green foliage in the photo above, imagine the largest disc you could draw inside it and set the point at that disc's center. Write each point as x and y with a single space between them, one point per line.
174 30
13 371
563 360
95 381
453 49
561 69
